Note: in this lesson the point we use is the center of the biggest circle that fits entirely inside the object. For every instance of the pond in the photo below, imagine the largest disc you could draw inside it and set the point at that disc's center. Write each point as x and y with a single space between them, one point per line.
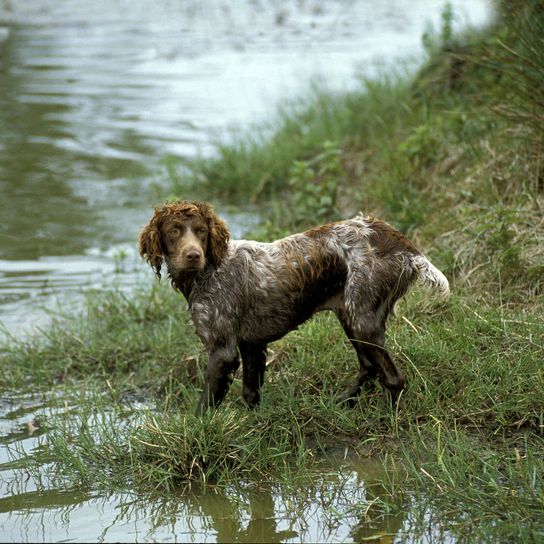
93 97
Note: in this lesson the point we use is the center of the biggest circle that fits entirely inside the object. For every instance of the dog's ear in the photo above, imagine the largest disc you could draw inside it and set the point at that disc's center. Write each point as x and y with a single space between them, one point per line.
218 236
150 245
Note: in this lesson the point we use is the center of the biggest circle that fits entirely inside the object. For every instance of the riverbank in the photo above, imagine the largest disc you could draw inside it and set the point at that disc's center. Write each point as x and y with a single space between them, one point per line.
453 157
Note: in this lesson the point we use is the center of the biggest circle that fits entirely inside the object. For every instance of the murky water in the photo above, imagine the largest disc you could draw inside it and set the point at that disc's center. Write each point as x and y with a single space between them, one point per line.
344 504
93 97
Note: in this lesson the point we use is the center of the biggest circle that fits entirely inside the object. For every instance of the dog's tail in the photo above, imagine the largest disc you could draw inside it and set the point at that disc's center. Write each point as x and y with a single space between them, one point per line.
430 276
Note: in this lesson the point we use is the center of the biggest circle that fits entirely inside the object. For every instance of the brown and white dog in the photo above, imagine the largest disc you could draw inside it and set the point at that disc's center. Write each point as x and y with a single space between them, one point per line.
244 294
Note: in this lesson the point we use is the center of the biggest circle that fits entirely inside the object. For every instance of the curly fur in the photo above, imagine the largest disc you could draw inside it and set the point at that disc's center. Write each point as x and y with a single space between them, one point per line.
244 294
152 247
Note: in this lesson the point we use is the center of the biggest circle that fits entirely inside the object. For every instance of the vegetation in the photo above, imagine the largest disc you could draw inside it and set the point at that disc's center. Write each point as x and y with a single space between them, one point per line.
452 156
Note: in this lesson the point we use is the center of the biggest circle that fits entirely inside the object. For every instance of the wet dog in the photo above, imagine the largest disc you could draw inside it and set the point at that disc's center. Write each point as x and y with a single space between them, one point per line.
244 294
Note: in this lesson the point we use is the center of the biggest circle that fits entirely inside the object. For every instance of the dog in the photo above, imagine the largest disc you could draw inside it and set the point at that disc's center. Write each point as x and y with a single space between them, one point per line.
244 294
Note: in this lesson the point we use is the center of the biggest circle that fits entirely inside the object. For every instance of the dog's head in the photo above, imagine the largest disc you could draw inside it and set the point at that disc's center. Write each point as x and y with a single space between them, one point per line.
189 236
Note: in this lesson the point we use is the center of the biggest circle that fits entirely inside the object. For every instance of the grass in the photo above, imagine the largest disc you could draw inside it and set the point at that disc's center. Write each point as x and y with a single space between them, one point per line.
453 157
466 440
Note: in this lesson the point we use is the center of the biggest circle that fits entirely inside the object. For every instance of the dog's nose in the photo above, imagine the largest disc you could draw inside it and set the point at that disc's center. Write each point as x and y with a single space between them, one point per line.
193 256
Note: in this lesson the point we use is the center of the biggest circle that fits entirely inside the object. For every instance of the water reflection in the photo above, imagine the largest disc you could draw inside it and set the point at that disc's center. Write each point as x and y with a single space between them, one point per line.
345 504
339 508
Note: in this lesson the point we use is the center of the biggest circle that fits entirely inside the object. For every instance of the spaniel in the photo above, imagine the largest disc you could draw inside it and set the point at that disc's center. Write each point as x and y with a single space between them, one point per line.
244 294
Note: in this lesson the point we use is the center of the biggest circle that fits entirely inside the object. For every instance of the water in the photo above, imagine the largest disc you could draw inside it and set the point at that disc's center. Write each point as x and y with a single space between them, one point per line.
93 97
343 505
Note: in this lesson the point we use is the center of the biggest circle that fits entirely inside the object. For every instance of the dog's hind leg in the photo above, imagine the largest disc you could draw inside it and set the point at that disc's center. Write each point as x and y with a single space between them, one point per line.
391 378
367 368
368 338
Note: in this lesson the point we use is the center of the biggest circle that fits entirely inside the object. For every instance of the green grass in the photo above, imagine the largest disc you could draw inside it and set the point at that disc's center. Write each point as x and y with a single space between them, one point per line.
466 441
117 337
452 156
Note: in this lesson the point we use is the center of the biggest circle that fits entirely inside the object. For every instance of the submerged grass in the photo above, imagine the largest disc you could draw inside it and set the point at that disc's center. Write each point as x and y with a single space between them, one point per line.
454 158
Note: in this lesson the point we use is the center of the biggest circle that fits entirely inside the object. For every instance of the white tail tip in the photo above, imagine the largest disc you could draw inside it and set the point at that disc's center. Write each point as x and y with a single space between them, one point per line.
430 275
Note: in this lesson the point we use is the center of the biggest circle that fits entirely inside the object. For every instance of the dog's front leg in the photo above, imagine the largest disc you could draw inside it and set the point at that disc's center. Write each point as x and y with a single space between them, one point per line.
222 364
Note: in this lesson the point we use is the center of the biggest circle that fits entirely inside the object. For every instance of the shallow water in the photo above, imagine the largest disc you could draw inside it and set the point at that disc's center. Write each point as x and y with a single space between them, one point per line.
94 95
343 505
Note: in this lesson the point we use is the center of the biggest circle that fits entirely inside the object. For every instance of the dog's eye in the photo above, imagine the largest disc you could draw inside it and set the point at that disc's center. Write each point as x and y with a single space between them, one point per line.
202 231
173 232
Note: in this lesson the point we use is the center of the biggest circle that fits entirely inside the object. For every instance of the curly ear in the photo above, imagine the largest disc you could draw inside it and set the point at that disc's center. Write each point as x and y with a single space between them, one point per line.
218 237
150 246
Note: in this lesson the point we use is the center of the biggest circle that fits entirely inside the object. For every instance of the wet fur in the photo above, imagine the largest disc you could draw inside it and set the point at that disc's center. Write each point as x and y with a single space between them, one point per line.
244 294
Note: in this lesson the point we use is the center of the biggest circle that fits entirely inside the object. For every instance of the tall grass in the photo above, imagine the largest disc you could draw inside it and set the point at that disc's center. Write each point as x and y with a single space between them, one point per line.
256 166
519 58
